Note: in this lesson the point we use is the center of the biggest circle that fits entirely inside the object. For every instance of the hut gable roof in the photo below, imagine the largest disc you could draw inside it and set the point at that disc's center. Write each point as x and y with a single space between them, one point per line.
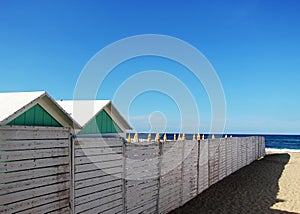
13 104
83 111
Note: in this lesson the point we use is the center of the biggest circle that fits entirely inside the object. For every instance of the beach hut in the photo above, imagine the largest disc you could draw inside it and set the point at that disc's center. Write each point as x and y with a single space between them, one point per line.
33 109
95 116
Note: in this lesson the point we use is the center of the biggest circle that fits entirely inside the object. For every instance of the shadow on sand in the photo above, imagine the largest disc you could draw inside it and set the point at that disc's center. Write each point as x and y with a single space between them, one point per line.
252 189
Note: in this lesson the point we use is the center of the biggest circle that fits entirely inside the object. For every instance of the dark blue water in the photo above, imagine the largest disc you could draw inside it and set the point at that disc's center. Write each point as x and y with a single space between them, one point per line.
288 142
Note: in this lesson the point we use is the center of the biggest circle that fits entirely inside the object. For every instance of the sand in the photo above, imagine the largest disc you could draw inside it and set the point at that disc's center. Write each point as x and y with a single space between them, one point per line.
289 186
269 185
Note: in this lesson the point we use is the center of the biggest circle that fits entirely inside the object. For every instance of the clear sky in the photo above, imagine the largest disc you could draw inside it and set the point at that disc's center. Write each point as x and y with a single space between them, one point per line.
254 46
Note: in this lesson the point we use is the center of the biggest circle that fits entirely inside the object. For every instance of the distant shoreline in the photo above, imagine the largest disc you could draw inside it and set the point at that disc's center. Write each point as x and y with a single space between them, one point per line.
275 150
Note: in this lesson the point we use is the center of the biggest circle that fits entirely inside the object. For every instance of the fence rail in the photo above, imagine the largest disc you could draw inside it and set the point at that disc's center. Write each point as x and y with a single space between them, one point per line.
44 170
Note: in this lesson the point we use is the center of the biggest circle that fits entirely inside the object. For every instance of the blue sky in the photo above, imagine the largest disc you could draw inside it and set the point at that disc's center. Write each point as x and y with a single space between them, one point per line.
254 47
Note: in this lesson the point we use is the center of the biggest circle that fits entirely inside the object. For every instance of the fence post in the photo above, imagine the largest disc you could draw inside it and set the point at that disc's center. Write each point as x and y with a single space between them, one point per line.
124 154
182 159
160 153
198 162
72 173
208 161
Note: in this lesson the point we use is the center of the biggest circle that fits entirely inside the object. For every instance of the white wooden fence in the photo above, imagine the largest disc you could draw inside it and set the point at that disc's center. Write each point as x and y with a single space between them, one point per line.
43 170
34 170
169 174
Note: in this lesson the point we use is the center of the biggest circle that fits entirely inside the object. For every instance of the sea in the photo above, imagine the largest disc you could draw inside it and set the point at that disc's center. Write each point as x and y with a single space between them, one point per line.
280 143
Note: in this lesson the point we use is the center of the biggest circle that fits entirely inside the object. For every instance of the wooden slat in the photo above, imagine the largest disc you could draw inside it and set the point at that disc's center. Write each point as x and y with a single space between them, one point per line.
98 158
169 202
141 150
97 173
167 173
133 200
100 203
142 157
97 166
103 208
23 195
146 164
170 194
96 195
97 151
65 210
96 143
33 154
141 189
33 173
33 144
34 202
170 189
169 206
30 133
33 183
143 207
140 147
141 201
169 179
94 181
97 188
143 145
32 164
118 209
60 204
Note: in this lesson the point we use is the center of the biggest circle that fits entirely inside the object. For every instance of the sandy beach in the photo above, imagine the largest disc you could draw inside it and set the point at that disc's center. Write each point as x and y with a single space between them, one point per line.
269 185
